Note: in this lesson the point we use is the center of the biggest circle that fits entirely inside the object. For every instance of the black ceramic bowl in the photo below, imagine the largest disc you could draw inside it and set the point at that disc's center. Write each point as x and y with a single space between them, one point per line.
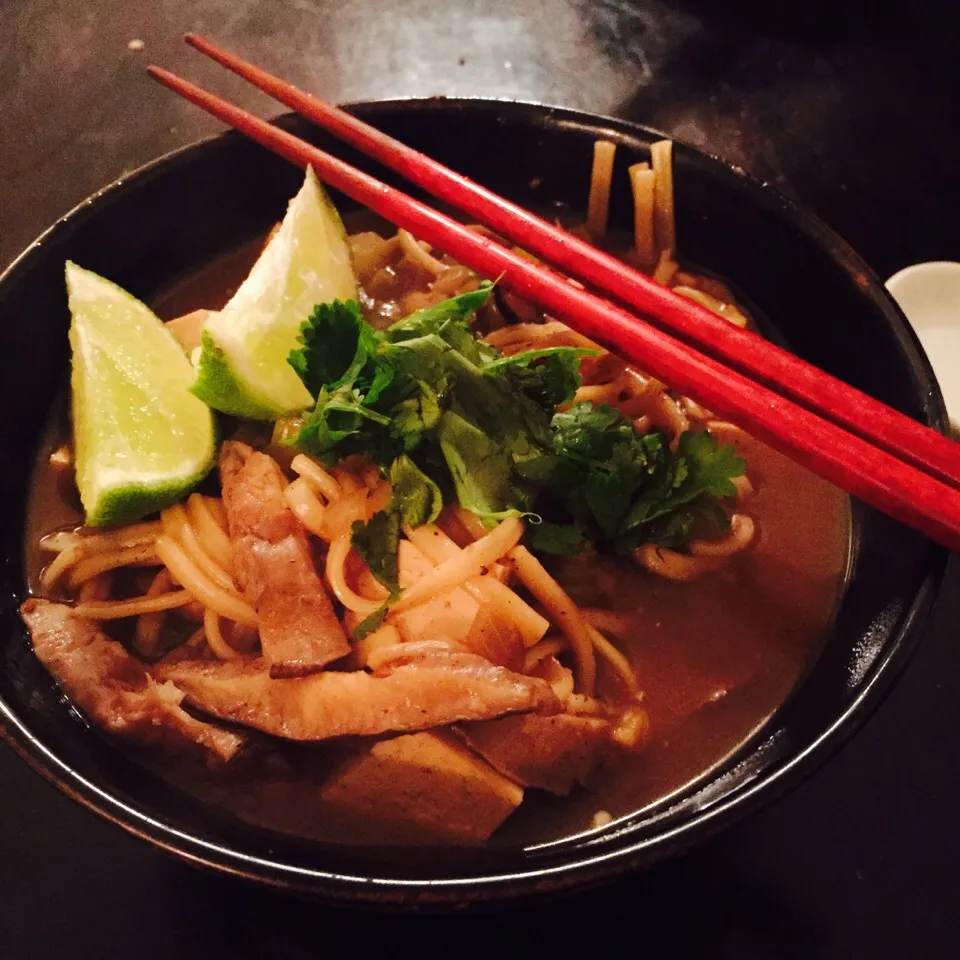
179 212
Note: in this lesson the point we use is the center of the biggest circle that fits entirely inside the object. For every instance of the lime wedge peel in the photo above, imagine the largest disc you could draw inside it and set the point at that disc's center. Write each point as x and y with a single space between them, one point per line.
242 364
142 440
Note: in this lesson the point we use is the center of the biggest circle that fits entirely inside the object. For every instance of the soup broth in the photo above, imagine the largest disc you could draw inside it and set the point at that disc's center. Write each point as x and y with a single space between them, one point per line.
714 657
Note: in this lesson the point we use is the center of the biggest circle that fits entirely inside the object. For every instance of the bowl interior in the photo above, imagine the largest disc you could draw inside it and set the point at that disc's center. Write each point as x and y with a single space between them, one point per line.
163 221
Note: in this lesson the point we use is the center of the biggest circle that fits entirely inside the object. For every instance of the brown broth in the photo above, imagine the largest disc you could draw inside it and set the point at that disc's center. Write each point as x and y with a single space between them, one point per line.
715 657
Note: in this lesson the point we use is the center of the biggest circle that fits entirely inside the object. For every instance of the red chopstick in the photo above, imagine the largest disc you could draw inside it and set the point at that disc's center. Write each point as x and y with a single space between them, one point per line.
872 474
747 352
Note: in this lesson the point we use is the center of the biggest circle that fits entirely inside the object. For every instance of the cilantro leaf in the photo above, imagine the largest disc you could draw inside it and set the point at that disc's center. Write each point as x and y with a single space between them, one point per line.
416 498
702 467
376 544
711 466
440 316
333 345
703 517
563 539
372 622
550 376
337 416
481 469
452 417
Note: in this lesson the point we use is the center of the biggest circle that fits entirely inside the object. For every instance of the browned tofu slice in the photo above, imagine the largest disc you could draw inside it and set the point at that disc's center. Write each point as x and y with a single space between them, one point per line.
425 688
423 788
114 688
299 629
552 753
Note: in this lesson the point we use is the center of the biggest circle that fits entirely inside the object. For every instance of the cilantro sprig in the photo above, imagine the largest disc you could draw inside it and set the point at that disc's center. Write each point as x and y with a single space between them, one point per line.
448 417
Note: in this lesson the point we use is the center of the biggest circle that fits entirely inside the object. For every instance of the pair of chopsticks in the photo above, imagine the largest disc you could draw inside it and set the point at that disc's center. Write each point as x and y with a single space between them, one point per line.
895 464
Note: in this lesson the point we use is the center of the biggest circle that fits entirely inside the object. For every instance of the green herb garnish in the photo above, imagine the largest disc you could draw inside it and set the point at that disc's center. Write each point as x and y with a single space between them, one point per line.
450 418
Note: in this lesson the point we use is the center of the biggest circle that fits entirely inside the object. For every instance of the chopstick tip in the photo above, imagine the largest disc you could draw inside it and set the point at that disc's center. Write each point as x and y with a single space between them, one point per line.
163 77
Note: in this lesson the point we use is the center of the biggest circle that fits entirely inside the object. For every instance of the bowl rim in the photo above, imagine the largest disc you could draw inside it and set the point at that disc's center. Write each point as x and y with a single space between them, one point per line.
584 869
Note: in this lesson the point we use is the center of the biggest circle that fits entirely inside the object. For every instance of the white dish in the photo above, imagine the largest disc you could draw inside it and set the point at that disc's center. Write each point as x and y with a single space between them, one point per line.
929 295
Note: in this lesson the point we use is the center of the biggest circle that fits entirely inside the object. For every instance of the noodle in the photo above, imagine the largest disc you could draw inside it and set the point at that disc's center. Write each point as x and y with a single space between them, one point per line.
96 588
316 476
336 572
340 515
536 579
499 599
210 594
135 607
413 249
549 647
380 639
215 640
601 178
615 658
432 542
694 410
146 637
601 393
370 252
670 564
176 525
218 512
665 269
744 488
642 185
122 538
59 566
57 542
661 156
669 414
503 602
209 530
301 499
616 624
718 429
348 481
471 523
719 307
196 641
742 529
144 555
473 559
454 281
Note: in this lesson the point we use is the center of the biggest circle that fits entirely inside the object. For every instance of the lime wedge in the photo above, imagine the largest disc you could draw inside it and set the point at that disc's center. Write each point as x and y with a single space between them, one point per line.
141 439
242 367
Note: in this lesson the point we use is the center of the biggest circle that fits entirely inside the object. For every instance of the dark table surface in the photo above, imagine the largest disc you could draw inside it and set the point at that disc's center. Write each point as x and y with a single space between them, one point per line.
855 112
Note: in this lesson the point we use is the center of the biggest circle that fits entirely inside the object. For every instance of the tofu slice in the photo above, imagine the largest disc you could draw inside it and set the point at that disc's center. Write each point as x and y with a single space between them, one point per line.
423 788
446 617
552 753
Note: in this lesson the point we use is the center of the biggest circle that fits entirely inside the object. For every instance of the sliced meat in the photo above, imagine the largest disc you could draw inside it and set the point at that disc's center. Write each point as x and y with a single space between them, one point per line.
422 788
299 630
428 688
113 687
552 753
